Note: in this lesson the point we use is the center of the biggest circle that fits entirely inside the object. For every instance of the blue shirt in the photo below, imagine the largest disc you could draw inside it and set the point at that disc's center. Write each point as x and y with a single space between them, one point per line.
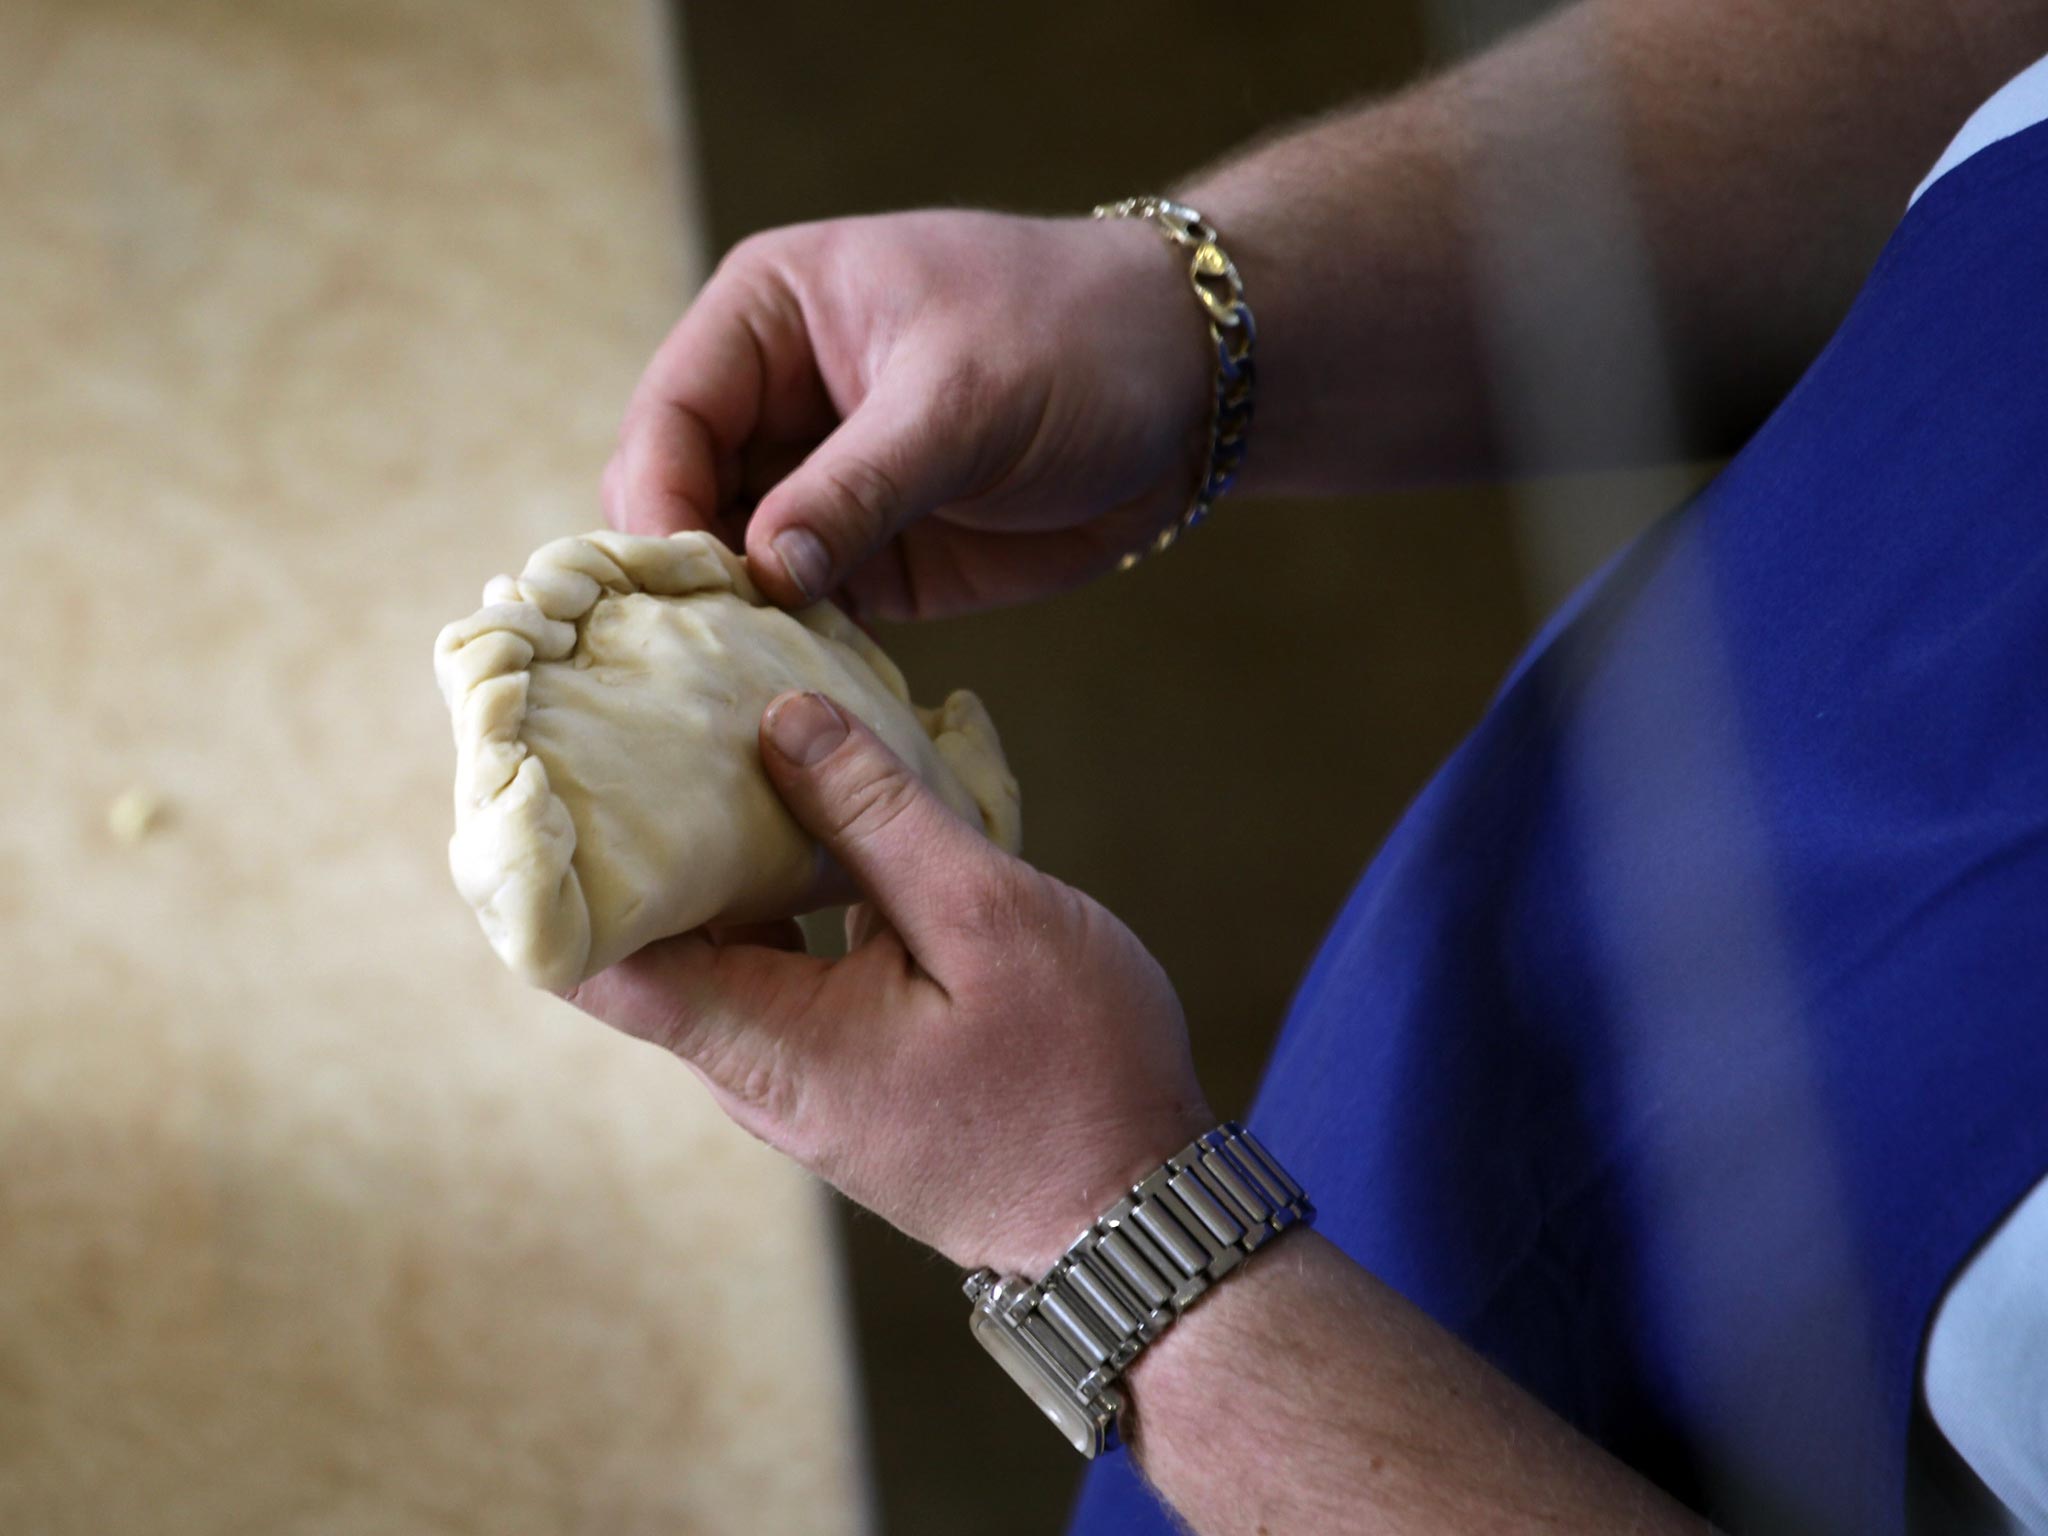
1689 1031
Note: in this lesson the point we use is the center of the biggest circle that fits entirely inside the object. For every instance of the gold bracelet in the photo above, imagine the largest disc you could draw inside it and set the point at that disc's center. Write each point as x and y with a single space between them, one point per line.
1220 291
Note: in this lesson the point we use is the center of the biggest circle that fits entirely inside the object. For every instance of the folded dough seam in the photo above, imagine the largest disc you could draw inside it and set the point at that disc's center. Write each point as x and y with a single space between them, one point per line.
559 901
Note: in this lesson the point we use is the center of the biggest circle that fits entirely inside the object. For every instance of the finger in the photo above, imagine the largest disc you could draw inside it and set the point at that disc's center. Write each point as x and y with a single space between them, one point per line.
669 993
936 568
902 452
737 364
722 1008
911 856
663 477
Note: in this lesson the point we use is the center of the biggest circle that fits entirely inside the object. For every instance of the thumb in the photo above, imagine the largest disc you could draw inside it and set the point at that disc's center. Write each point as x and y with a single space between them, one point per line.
892 461
911 856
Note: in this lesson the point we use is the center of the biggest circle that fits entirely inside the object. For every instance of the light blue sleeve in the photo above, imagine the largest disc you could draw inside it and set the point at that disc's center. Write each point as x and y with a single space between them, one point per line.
1986 1378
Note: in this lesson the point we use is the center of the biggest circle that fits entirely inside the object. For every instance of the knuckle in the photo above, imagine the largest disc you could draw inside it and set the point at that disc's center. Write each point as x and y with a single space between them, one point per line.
1003 902
752 1072
764 269
753 287
762 1089
869 498
874 797
749 253
680 1031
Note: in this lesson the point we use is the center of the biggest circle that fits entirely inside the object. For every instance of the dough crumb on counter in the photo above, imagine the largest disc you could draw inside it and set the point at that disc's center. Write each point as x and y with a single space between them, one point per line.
135 813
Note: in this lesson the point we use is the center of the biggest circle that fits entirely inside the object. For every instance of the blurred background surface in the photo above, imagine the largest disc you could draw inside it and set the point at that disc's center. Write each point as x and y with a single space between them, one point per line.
320 313
312 1219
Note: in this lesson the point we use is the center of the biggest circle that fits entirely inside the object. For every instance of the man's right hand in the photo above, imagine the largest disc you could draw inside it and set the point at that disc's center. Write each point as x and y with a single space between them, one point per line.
937 412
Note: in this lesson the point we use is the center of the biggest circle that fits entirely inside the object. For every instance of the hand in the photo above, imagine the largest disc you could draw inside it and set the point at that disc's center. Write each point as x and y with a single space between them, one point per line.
1035 390
991 1064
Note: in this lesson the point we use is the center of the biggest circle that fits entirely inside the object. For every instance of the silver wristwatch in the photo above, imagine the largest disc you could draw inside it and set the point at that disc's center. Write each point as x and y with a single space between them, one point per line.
1066 1339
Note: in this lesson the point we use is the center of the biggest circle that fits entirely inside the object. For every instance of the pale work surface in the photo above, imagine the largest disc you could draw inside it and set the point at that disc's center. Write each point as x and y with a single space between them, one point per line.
311 1218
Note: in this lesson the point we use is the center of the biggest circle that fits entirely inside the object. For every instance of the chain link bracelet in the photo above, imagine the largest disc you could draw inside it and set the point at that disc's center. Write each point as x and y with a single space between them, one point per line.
1232 332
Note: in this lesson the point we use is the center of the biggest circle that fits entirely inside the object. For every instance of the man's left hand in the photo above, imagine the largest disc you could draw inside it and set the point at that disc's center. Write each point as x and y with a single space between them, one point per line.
988 1067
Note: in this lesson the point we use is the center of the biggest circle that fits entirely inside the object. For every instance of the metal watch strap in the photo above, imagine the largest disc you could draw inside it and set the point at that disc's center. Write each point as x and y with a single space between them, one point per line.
1125 1280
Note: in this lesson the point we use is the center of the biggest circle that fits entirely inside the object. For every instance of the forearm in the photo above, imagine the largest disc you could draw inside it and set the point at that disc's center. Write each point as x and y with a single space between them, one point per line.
1303 1396
1420 267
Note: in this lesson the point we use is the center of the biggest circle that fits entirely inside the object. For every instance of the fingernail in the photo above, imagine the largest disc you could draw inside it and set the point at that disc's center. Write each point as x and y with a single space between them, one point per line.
804 727
804 557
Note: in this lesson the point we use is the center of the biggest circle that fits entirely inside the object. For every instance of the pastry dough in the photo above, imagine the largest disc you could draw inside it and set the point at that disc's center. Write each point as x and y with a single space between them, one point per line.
608 782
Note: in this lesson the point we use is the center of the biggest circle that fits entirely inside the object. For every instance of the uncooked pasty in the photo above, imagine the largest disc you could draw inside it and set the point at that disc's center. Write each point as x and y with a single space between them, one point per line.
608 782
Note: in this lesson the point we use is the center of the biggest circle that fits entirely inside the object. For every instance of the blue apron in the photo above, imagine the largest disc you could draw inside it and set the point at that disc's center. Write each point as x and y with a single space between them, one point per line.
1689 1031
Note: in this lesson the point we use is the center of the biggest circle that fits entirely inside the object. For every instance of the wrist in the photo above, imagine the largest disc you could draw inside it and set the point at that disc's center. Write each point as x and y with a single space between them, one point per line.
1193 1220
1161 329
1080 1183
1226 319
1247 228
